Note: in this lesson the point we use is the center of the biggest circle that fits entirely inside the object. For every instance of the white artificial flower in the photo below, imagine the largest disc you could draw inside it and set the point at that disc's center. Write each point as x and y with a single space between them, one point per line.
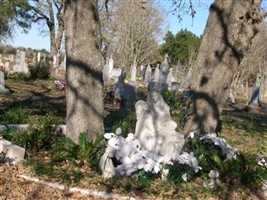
109 135
157 167
184 177
118 131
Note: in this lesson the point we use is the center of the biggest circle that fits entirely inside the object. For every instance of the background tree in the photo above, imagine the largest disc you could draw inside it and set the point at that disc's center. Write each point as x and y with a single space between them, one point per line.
230 28
50 12
179 46
83 70
13 13
132 30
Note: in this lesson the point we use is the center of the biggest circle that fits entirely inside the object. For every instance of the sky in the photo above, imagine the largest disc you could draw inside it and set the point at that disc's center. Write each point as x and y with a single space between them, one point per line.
35 40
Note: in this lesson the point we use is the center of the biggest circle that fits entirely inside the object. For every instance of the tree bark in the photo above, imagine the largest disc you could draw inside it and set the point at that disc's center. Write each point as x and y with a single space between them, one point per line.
83 70
230 28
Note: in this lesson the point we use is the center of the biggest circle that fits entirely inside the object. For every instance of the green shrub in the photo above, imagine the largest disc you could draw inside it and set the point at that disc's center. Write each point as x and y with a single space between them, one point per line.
40 71
15 116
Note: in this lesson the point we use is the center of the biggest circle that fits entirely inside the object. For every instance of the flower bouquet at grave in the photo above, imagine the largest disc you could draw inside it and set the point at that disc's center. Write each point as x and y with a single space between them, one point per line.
2 68
126 157
61 85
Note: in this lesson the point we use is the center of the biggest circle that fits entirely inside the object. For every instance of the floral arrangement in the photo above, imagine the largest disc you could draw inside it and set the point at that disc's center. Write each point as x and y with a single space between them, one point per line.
61 85
132 158
2 68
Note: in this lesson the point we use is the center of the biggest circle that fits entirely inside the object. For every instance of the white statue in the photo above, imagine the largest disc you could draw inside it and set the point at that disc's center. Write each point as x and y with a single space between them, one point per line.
155 128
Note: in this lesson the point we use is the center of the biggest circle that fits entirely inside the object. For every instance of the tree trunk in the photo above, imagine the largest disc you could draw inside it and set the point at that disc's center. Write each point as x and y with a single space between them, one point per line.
84 66
230 28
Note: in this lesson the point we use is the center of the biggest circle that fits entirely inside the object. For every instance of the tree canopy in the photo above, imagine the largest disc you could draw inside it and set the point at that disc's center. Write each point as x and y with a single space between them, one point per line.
13 12
179 46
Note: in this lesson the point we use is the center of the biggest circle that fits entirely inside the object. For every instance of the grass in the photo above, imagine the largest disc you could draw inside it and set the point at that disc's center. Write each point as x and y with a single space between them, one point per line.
59 159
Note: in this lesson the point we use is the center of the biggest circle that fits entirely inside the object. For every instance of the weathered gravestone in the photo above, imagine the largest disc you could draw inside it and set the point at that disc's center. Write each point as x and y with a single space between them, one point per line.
105 74
147 76
133 74
126 93
110 64
115 73
156 74
20 65
3 90
254 100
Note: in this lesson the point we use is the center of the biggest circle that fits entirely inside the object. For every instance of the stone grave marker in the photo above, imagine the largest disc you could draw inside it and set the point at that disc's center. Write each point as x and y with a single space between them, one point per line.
3 90
254 99
147 76
105 74
21 65
115 73
110 64
133 74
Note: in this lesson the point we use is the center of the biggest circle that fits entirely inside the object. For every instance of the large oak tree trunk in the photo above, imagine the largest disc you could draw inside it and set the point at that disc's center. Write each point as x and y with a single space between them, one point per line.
230 28
84 65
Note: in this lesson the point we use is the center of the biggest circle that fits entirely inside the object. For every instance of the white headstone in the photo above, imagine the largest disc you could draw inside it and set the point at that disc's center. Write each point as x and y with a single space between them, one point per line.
105 74
254 100
38 56
147 76
156 74
110 64
169 79
3 90
133 74
115 73
164 70
21 65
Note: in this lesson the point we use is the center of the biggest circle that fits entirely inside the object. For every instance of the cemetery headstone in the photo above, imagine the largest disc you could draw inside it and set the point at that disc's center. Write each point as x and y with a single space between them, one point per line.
164 70
156 74
3 90
133 74
115 73
147 76
20 65
110 64
126 93
175 86
105 74
254 100
169 79
38 56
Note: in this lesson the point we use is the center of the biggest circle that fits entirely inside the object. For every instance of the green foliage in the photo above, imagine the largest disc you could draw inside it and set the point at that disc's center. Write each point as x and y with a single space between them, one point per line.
127 123
176 171
245 169
179 46
40 71
15 116
39 136
179 107
12 13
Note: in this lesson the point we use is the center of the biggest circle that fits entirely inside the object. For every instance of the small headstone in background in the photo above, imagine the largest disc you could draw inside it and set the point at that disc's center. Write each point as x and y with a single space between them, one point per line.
169 79
20 65
133 74
156 73
115 73
164 70
147 76
110 64
254 99
3 90
105 74
38 56
175 86
126 93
